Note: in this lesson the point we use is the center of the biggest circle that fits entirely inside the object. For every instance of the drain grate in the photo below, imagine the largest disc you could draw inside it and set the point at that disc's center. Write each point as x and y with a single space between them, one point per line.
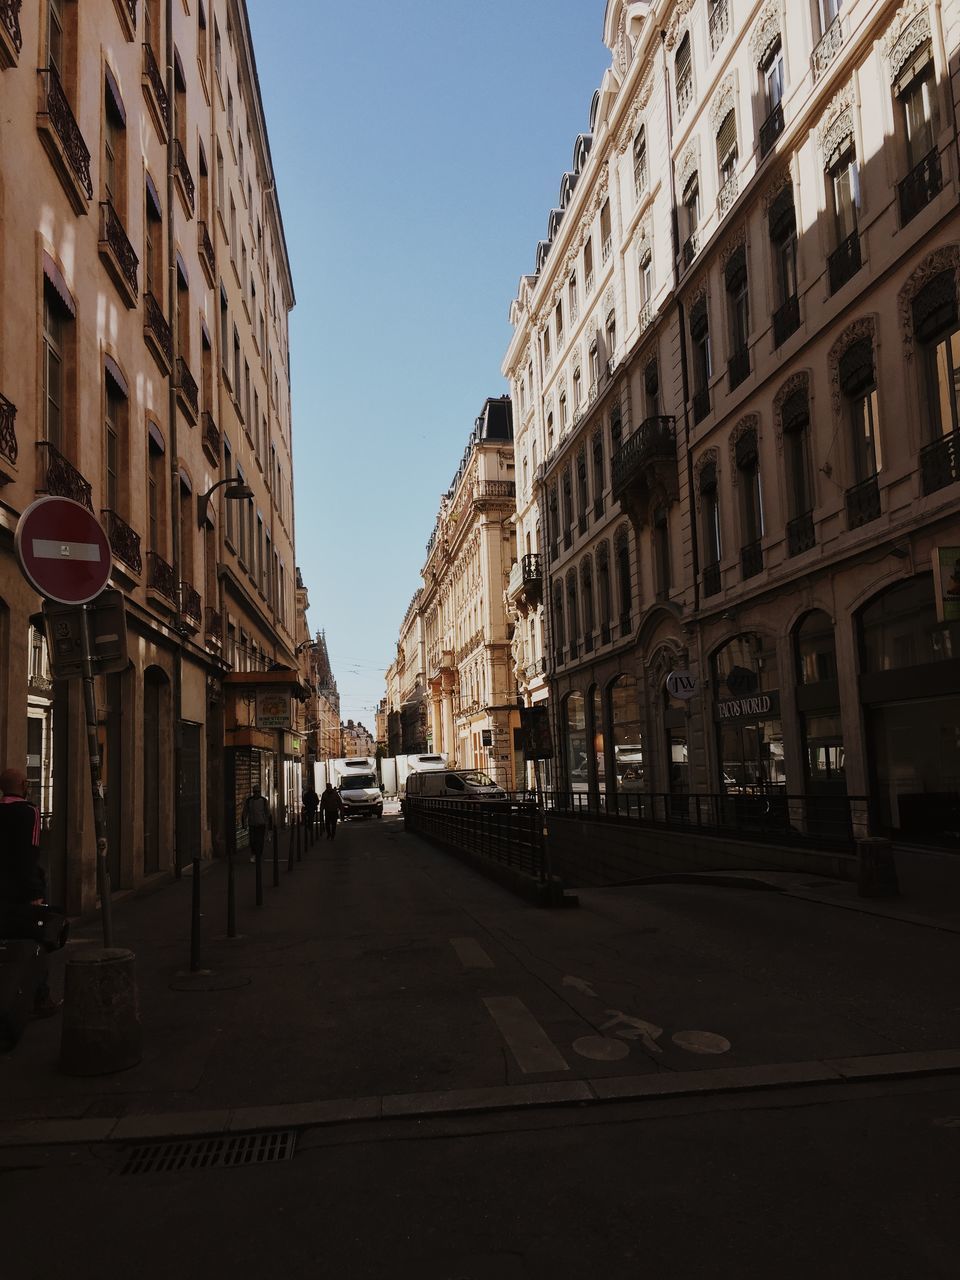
222 1152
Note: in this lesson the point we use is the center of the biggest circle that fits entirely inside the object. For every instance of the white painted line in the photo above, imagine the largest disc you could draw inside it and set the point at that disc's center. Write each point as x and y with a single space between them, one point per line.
46 549
471 954
526 1039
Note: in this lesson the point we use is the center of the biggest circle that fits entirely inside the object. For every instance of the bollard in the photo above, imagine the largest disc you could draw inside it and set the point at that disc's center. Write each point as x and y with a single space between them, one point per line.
299 822
259 860
876 869
290 847
275 837
101 1018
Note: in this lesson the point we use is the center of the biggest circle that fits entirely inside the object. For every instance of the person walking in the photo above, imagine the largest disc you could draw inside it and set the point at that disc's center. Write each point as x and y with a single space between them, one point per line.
23 881
311 802
256 817
332 807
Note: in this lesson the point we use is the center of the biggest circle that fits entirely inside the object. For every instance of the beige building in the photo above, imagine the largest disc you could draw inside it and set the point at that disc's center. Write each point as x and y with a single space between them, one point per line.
144 360
407 701
357 739
738 361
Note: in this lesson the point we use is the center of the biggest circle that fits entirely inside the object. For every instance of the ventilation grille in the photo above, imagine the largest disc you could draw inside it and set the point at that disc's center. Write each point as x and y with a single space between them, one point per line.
226 1152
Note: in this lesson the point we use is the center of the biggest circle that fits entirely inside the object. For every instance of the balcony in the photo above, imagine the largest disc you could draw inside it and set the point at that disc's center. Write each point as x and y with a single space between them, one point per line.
184 178
525 585
9 448
940 463
124 541
829 46
920 186
118 254
127 13
606 250
800 534
531 569
738 367
210 438
11 38
494 491
786 320
208 259
751 560
213 626
646 315
719 24
863 502
157 332
771 129
190 605
644 464
160 577
188 393
63 140
588 283
154 91
844 262
60 478
701 404
684 94
727 194
711 578
691 247
640 180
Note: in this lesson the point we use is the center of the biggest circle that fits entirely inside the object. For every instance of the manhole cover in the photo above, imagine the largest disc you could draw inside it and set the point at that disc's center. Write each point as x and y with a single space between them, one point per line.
220 1152
701 1042
601 1048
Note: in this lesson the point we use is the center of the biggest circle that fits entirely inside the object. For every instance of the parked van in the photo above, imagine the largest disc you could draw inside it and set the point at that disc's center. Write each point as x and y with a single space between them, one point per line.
453 784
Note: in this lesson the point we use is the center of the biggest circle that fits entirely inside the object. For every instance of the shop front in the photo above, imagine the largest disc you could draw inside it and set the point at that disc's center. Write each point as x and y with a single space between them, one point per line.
749 729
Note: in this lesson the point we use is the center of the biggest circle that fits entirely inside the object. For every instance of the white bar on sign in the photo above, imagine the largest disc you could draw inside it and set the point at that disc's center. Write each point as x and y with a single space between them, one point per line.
47 549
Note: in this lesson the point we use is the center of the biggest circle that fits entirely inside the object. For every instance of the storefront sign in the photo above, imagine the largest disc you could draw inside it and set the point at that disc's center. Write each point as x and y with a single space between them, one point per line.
757 706
741 681
683 685
273 709
486 737
946 581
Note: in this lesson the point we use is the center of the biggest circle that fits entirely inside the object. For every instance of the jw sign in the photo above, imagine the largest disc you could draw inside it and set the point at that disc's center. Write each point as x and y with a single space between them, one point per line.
682 684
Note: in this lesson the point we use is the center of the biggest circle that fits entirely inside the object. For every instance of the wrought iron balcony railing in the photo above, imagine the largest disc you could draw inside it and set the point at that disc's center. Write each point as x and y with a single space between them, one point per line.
845 261
654 441
827 49
116 248
55 107
738 367
640 180
771 129
211 437
920 186
940 463
182 171
800 534
160 576
10 21
711 578
863 502
213 625
727 194
156 327
684 93
719 24
154 79
588 282
187 386
132 10
531 569
208 257
494 490
8 431
190 603
786 320
646 315
60 477
751 560
691 247
124 541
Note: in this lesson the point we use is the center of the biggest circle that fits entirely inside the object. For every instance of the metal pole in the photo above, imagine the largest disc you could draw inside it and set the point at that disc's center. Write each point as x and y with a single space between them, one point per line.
195 917
259 877
231 893
290 847
96 777
301 835
275 835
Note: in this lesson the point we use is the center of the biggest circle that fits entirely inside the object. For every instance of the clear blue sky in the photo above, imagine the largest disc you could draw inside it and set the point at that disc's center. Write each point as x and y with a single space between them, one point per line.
418 149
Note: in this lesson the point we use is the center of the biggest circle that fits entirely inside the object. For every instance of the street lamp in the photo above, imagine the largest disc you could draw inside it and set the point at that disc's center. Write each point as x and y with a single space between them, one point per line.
238 491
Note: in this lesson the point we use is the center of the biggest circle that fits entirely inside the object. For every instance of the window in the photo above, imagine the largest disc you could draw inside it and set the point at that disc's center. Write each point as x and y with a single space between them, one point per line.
646 283
844 186
217 49
115 443
183 314
179 101
829 10
261 574
610 338
783 237
683 74
114 148
710 515
624 582
57 37
221 203
56 322
916 90
156 495
558 319
598 476
229 111
577 388
738 312
606 237
206 369
661 551
751 515
795 420
233 229
651 389
573 303
586 597
603 590
563 411
594 367
582 498
575 733
237 384
547 354
202 50
616 429
566 494
691 218
935 322
573 614
153 28
224 332
588 265
858 383
204 183
702 359
772 72
549 432
241 521
640 161
153 236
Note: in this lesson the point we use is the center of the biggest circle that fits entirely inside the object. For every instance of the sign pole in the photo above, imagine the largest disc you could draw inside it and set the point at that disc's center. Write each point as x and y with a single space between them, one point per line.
96 778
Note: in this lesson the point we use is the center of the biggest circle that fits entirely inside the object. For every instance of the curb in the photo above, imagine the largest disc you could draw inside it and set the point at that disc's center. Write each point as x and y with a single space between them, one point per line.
653 1087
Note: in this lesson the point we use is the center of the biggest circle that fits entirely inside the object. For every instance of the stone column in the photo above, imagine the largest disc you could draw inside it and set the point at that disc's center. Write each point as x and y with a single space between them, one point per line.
449 732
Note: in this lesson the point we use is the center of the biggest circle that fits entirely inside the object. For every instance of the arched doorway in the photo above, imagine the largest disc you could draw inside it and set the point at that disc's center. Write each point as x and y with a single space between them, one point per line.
749 728
575 741
626 738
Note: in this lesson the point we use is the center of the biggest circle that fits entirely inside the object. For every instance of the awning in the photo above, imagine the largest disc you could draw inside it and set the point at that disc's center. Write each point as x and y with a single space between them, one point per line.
54 277
153 431
115 374
153 197
113 96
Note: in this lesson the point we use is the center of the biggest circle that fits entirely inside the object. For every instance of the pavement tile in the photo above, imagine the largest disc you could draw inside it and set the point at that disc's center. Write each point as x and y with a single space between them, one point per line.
501 1097
56 1132
180 1124
897 1064
722 1079
303 1114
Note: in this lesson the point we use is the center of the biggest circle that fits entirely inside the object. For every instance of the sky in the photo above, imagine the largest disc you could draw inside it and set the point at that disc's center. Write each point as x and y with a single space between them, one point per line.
418 148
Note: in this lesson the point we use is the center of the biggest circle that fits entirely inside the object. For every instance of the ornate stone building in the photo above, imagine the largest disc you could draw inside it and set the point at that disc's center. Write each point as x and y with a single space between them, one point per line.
145 292
736 371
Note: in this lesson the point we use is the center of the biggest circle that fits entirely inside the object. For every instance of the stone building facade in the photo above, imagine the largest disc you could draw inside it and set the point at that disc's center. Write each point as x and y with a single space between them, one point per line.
737 363
145 294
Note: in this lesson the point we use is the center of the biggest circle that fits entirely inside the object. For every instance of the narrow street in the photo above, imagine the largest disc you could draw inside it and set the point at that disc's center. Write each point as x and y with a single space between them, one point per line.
413 1022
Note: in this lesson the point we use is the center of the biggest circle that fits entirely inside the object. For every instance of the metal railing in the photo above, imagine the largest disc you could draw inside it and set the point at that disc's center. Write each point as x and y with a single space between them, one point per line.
182 170
155 325
205 245
10 20
9 448
531 569
187 385
55 105
124 541
114 239
845 261
719 24
920 186
211 437
801 535
190 602
494 490
691 247
160 576
154 77
213 625
786 320
751 560
654 440
60 477
863 502
940 463
507 833
684 93
771 129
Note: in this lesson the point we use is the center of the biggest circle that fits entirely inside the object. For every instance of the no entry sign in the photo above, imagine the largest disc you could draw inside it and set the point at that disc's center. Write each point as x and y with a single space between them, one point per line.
63 550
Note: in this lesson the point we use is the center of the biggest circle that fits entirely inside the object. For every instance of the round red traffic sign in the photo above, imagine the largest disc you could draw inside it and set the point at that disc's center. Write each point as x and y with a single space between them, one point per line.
63 551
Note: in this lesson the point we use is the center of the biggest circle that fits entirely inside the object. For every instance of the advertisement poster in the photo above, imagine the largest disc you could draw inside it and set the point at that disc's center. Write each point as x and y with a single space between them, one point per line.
273 709
535 727
946 581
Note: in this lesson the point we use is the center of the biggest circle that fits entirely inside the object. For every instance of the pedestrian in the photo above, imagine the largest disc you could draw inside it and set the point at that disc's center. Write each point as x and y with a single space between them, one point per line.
23 881
311 802
332 807
256 816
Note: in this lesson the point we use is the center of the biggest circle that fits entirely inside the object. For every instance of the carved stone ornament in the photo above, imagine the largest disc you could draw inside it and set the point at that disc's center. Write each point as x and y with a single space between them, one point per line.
608 302
766 32
783 179
865 327
669 656
709 457
723 102
643 240
680 11
796 382
909 31
942 259
737 240
836 123
622 47
688 164
749 424
698 292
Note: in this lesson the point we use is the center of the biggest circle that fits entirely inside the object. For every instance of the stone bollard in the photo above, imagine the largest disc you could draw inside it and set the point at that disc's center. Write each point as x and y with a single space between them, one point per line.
101 1017
876 868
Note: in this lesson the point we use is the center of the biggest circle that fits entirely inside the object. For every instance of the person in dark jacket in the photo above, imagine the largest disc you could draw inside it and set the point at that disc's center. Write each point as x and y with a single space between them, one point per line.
22 878
311 802
256 816
332 807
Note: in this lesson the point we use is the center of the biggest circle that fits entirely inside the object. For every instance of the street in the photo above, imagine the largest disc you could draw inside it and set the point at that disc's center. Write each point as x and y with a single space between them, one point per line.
437 1017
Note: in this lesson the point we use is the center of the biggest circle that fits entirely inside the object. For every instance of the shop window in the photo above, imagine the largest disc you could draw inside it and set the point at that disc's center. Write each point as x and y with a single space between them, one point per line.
575 735
821 729
596 726
749 727
626 734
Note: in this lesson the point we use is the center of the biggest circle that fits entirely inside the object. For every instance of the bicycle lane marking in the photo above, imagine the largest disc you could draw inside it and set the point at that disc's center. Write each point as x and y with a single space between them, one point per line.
530 1045
471 954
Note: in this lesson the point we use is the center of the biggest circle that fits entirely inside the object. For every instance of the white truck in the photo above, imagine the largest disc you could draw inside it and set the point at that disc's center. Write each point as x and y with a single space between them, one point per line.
421 762
355 777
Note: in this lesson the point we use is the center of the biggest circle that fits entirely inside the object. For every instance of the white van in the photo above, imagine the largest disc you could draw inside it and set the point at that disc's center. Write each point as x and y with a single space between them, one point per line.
453 784
361 794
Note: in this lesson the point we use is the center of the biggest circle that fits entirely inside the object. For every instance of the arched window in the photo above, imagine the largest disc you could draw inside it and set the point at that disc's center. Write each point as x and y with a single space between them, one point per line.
596 726
575 741
586 594
573 613
936 326
749 728
626 733
603 591
559 627
683 74
624 581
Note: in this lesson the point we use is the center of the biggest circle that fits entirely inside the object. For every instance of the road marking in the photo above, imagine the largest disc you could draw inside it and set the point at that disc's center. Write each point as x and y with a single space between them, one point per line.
580 985
701 1042
471 954
601 1048
526 1039
46 549
634 1029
